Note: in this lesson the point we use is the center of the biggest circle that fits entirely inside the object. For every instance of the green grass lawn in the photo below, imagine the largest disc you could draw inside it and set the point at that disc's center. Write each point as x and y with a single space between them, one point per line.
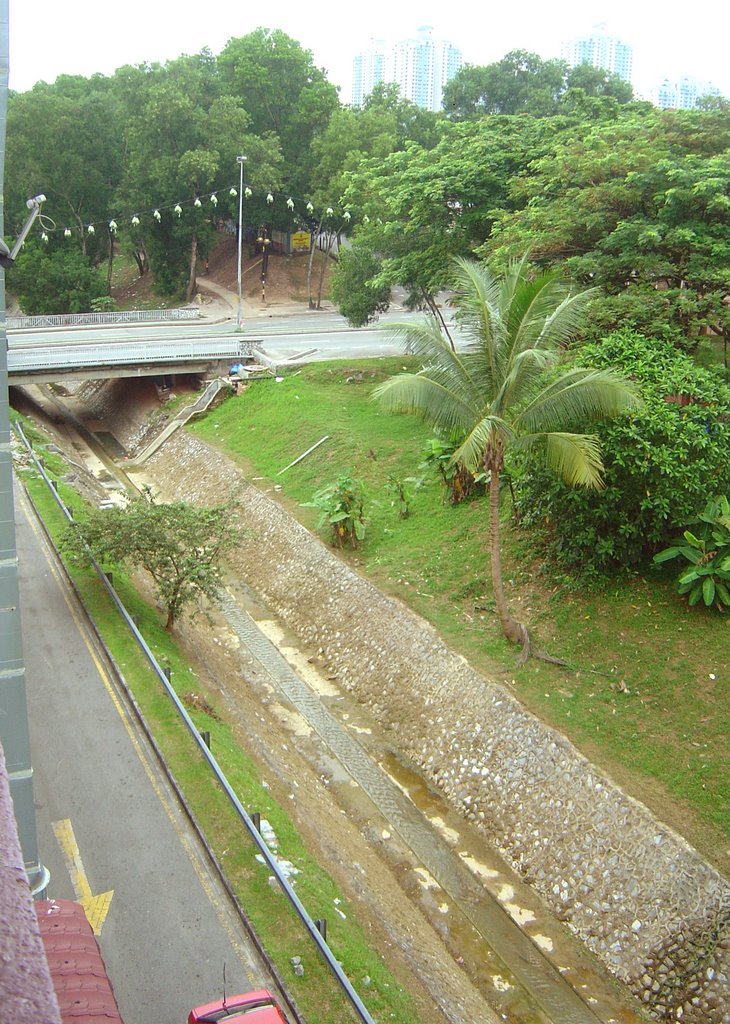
646 692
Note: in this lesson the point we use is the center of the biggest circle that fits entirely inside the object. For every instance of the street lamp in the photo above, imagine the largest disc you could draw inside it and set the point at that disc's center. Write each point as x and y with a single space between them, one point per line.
241 161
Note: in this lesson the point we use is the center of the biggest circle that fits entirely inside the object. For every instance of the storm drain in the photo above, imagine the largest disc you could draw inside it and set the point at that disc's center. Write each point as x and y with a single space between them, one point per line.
519 957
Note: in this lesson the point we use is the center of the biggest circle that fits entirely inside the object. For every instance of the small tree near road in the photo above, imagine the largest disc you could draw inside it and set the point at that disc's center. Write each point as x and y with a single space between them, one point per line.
180 545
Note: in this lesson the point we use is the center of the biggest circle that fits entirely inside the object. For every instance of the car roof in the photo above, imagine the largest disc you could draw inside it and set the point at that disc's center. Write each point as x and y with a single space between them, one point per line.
259 1006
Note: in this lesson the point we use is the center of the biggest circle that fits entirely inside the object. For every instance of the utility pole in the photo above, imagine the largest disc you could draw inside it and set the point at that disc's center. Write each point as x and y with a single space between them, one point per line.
14 735
239 317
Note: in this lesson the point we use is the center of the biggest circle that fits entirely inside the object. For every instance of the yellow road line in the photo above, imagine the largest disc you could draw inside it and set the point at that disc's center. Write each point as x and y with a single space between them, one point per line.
96 908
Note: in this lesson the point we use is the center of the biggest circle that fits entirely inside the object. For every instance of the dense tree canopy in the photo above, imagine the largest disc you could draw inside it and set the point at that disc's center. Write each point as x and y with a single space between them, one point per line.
529 154
524 83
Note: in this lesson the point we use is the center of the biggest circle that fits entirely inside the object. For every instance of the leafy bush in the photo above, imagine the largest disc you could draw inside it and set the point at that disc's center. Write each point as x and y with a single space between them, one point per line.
460 483
342 507
61 281
403 491
708 552
359 298
660 464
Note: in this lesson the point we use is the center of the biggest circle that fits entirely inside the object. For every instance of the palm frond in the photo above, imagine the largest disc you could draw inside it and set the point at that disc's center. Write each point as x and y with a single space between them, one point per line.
575 458
458 371
532 303
577 396
433 400
526 371
476 300
566 318
483 434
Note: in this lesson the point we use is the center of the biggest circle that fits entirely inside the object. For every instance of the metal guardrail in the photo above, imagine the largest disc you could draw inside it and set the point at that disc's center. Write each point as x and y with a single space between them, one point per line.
86 356
130 316
309 924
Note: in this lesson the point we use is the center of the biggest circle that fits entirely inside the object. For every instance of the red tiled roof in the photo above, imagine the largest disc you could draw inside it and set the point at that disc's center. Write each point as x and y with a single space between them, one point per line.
79 977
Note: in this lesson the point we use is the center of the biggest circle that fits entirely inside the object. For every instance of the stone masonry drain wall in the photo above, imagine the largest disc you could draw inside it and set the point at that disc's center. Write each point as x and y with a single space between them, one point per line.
636 893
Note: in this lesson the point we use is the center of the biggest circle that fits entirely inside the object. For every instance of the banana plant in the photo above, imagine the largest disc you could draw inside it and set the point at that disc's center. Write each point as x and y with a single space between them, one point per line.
708 551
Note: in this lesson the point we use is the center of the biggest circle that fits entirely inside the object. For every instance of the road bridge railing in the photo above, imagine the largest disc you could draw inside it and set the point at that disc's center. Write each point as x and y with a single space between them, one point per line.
84 355
127 316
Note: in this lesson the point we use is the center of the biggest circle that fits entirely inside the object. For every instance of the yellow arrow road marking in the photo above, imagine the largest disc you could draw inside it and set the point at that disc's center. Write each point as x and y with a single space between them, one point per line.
95 907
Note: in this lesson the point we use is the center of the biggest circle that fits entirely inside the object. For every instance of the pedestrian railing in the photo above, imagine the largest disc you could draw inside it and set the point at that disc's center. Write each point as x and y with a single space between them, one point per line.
129 316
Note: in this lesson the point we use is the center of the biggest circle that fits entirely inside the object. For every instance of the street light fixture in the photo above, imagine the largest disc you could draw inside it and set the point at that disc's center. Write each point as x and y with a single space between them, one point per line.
241 161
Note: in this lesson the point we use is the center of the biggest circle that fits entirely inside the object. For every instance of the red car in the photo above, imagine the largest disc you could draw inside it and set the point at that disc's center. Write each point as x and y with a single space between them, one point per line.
252 1008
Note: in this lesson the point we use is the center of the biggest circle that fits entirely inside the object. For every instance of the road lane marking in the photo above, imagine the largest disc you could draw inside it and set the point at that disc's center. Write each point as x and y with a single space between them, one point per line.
95 907
241 951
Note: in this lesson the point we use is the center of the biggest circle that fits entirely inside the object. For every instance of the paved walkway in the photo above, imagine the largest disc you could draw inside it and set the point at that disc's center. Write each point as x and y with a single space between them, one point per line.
224 304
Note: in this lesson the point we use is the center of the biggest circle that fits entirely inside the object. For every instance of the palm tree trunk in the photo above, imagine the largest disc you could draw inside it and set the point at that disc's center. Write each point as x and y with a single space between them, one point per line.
515 632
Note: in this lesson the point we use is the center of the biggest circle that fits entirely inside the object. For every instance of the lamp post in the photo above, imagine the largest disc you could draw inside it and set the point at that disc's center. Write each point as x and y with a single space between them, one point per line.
241 161
263 247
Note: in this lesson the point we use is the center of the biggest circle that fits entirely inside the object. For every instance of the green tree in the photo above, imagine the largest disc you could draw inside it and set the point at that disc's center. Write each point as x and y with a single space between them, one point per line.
354 288
425 206
636 206
66 141
504 393
661 464
182 141
53 282
283 92
180 546
519 83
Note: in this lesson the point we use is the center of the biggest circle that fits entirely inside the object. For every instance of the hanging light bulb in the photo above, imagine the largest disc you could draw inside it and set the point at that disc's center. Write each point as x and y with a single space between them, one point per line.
232 192
310 208
157 215
197 201
247 192
113 226
67 233
91 230
178 209
269 198
135 221
214 199
290 203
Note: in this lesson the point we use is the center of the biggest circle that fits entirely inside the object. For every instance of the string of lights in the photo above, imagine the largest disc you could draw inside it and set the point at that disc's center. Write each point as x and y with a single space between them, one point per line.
177 208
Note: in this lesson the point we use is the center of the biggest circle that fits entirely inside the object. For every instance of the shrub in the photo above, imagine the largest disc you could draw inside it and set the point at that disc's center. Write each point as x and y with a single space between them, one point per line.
660 463
342 507
460 483
60 281
707 549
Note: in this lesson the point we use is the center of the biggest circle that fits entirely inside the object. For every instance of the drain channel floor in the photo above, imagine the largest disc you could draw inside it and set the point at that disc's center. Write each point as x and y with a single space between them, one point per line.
521 958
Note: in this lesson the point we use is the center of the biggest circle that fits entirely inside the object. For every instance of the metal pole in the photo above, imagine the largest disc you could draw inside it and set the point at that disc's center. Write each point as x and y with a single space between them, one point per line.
14 735
241 161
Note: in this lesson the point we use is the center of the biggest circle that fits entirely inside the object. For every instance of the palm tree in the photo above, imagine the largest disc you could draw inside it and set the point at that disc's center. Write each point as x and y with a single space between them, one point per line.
503 391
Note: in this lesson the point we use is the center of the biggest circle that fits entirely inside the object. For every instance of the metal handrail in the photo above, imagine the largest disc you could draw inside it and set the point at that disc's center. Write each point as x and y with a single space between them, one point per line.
128 316
307 921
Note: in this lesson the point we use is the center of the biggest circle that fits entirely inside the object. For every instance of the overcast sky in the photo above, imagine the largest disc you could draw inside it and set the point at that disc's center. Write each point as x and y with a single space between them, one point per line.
669 38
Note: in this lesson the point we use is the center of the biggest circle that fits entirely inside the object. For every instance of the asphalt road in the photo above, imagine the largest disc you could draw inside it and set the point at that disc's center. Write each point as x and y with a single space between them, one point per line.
108 821
301 337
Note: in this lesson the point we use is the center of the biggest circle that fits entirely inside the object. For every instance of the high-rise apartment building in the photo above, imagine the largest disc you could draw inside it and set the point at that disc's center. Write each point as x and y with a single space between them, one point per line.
683 93
421 67
601 51
368 68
